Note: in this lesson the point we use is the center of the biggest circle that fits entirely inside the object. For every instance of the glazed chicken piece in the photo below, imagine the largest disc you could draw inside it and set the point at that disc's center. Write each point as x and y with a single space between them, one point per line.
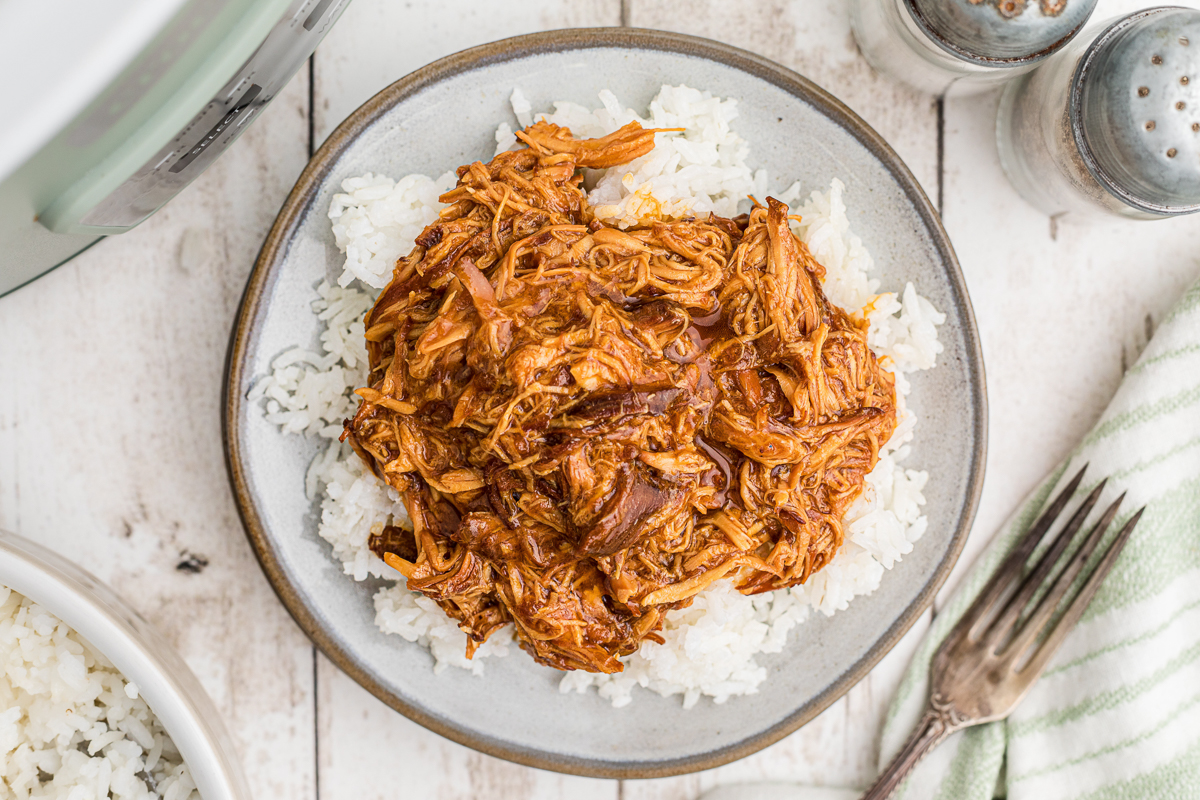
588 426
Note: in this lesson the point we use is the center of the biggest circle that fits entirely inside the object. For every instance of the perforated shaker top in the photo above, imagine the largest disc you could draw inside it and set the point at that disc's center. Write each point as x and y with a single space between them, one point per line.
1001 32
1137 101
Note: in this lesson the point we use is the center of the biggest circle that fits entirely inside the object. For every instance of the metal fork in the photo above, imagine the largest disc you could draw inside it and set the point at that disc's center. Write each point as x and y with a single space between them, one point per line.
999 648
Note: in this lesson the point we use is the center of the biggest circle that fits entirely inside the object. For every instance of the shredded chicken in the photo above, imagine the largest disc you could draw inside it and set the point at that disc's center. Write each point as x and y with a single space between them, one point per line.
589 426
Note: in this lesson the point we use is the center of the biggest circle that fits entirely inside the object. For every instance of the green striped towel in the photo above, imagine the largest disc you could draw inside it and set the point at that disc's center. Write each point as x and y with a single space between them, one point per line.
1116 716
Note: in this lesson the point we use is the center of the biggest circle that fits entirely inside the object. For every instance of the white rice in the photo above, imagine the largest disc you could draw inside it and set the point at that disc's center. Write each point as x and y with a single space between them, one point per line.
376 220
71 726
710 646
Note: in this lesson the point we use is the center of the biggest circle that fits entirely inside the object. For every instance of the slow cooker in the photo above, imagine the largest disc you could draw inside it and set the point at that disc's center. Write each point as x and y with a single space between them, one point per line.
114 106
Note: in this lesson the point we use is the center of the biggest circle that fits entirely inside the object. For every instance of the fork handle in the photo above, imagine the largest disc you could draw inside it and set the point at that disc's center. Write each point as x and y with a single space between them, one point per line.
940 720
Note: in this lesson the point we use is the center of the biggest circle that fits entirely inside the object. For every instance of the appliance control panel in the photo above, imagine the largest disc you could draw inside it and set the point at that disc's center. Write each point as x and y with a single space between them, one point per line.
218 124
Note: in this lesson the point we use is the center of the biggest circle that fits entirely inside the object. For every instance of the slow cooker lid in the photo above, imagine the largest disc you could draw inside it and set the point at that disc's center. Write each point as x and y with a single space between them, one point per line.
66 53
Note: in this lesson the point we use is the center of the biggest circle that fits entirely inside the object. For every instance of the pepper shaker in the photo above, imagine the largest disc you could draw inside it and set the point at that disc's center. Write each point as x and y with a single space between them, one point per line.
963 46
1110 125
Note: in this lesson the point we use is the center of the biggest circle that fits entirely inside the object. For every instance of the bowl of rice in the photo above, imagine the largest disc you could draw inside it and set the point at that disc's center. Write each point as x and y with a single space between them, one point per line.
734 672
94 703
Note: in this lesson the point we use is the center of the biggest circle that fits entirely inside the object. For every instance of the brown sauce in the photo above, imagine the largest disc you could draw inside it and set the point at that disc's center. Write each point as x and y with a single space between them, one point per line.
589 425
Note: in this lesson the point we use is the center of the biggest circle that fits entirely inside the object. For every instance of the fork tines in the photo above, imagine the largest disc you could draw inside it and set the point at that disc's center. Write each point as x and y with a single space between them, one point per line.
1000 620
998 649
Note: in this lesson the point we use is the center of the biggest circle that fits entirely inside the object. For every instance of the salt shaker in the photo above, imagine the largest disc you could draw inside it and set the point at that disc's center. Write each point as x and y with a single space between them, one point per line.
1110 125
963 46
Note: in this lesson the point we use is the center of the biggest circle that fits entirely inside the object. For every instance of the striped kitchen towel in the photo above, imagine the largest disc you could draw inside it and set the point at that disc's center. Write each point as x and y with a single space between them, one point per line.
1116 716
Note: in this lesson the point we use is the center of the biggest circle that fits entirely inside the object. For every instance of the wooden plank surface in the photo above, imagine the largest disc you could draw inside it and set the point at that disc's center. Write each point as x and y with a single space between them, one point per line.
110 445
1062 309
814 39
377 42
358 59
838 748
110 439
366 750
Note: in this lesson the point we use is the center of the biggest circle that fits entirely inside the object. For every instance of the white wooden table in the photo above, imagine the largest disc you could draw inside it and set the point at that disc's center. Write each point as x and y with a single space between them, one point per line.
111 371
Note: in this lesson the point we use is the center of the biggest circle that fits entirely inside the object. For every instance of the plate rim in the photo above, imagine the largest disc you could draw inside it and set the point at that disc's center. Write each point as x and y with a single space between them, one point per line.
275 248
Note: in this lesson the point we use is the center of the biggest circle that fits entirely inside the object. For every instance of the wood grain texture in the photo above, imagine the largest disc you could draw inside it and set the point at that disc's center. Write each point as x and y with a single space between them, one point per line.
377 42
110 438
110 444
814 39
838 748
1062 308
361 736
366 749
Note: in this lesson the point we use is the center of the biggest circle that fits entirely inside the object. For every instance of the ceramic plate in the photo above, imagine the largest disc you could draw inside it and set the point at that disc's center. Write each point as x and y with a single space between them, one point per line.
445 115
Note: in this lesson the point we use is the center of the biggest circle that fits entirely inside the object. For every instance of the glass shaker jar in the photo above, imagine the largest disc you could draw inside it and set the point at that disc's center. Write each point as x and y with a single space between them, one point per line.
963 46
1110 125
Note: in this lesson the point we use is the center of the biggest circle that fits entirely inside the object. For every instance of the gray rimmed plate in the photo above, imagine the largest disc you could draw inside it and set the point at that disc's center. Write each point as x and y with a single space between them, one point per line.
444 115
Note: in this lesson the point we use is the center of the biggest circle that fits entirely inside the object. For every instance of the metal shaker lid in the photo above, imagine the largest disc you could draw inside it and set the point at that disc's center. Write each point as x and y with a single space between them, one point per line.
1001 33
1135 109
